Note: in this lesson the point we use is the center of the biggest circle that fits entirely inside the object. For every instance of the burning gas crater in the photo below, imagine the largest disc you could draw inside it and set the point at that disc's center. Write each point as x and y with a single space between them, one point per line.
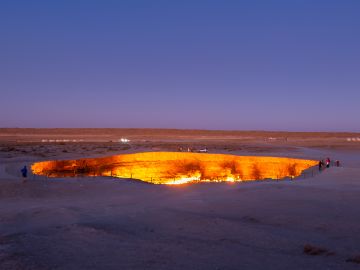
177 168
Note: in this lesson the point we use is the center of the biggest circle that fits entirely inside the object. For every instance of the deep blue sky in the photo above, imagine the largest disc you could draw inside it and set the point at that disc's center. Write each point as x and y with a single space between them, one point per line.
274 65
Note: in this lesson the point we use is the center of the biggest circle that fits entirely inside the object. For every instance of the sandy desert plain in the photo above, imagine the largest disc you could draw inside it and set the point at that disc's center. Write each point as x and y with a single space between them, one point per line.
311 222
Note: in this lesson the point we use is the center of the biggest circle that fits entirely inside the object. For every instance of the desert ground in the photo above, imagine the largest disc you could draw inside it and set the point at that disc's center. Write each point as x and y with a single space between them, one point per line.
311 222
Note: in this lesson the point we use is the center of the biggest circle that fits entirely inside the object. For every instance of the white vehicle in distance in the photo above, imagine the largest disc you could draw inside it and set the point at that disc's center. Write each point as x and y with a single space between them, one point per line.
124 140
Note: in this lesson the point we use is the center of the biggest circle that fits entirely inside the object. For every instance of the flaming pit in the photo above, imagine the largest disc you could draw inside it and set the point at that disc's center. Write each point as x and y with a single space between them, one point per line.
177 168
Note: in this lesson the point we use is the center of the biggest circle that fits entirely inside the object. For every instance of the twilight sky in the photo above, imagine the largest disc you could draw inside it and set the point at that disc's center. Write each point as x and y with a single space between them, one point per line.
268 65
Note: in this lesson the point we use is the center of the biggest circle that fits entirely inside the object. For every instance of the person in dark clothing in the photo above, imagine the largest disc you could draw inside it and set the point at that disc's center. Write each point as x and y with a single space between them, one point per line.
24 172
320 165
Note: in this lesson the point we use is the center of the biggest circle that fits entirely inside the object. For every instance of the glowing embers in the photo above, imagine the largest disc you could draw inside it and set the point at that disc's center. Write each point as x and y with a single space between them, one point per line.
177 168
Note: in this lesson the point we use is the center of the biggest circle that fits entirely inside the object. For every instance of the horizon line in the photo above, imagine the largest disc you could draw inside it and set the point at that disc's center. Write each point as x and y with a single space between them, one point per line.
187 129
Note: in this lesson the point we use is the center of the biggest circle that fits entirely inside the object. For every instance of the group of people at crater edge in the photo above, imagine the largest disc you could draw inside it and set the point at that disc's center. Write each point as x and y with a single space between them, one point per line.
327 163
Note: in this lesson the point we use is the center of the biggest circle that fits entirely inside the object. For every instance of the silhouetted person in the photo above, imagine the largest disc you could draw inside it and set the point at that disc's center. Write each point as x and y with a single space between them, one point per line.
327 162
320 165
24 172
337 163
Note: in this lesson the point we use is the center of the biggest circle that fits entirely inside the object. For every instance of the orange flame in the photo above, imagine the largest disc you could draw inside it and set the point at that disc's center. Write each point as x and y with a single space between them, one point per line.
178 168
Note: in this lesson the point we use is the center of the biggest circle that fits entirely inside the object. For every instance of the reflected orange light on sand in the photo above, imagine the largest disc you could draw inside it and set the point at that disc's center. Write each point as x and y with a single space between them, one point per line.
177 168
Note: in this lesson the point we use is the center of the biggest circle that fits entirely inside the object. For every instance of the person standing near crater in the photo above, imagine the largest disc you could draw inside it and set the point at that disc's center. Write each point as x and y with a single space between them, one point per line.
328 163
320 165
24 172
